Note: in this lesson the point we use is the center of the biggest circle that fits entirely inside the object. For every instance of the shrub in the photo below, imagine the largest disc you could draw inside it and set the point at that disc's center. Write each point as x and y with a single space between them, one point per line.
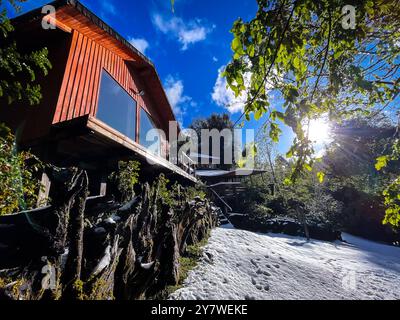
164 193
126 178
19 185
196 191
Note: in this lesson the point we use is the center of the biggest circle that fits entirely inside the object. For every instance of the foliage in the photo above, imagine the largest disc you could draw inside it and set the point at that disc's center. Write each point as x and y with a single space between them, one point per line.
300 51
215 121
17 68
218 122
175 195
126 178
350 195
196 191
392 192
392 202
19 185
364 155
247 158
162 187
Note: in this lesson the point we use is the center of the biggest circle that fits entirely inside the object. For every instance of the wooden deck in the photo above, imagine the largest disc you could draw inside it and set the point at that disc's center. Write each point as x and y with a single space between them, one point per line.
91 140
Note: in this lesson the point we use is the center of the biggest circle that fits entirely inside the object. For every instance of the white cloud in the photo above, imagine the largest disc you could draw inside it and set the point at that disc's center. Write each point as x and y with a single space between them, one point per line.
141 44
215 59
187 37
108 7
187 33
224 96
174 89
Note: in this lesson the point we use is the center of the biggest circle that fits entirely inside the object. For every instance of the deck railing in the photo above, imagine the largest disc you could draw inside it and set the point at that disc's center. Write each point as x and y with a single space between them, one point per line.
187 163
184 162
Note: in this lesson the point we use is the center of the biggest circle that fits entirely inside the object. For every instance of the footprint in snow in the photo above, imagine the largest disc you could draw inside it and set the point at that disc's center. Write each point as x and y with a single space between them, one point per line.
254 262
263 272
260 287
259 271
330 261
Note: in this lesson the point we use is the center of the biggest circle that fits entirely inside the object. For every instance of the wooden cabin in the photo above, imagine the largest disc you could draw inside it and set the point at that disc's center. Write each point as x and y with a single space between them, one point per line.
99 100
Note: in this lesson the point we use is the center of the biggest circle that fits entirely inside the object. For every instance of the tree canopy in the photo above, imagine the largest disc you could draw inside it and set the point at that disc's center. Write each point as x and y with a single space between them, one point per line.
218 122
22 67
309 53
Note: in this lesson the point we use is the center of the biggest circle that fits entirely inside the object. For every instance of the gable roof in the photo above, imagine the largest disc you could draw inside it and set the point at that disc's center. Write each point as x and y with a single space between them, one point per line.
74 15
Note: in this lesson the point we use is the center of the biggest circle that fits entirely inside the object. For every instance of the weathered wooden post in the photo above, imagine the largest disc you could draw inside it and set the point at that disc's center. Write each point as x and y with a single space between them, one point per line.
44 191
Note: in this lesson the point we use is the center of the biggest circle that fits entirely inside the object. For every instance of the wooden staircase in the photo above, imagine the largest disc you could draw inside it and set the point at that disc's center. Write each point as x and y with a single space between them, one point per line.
225 195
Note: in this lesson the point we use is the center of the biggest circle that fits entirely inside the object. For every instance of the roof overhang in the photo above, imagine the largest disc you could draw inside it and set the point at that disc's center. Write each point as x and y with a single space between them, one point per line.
72 15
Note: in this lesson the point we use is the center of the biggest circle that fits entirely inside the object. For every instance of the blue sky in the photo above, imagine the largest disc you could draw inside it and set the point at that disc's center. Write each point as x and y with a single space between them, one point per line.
189 48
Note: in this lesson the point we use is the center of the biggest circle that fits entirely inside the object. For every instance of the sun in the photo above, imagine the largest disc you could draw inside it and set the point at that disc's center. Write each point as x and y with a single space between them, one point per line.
319 131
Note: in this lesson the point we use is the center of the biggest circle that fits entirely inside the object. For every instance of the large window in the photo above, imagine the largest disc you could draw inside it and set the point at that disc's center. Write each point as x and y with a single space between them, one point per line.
147 138
116 107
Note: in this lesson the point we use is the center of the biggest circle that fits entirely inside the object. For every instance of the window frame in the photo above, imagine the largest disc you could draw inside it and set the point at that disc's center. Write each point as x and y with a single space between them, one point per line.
154 124
137 107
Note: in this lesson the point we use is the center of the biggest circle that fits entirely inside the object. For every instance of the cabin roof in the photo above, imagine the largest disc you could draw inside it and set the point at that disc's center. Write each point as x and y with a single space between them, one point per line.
66 12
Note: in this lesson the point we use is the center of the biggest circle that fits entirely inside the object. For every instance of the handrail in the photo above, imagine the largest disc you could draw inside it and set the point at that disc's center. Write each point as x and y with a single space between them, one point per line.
187 162
220 199
186 157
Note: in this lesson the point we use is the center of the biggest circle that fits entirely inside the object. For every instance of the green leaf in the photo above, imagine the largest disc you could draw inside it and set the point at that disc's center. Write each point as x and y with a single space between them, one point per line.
296 62
321 177
275 132
288 182
241 163
237 46
251 50
307 167
258 114
381 162
289 154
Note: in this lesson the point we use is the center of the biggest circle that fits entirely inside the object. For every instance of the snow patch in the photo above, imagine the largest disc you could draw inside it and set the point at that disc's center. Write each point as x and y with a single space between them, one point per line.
251 266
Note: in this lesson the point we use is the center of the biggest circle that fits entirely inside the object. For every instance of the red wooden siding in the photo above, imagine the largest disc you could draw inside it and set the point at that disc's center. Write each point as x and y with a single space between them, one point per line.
80 88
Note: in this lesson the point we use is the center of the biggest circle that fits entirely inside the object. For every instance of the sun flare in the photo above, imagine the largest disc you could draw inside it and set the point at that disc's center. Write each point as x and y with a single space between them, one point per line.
319 131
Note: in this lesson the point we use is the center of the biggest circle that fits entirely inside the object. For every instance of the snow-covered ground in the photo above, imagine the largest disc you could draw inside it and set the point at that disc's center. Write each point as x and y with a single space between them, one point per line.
242 265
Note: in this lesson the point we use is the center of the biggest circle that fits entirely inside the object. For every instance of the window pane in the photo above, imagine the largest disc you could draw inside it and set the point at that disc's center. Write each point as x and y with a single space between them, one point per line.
116 107
146 124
